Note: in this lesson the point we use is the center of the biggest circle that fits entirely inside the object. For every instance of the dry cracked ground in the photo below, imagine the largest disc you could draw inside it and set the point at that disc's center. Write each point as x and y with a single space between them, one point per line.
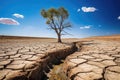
18 57
96 60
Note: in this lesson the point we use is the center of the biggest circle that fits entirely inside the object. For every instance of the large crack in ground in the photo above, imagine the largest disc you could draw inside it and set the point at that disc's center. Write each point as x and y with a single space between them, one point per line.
54 71
21 60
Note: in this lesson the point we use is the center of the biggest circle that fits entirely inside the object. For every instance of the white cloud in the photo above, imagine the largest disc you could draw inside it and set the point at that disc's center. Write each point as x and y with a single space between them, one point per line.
78 10
88 9
86 27
118 17
18 15
8 21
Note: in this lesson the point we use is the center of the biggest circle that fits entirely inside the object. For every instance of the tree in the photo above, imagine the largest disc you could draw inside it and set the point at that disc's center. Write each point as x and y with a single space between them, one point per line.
56 19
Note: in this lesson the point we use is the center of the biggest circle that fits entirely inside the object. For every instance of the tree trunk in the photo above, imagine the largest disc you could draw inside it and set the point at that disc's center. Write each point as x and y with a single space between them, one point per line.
59 38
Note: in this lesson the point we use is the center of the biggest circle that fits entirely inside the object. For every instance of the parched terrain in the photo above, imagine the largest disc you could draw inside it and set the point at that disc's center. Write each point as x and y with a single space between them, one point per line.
26 59
33 59
96 60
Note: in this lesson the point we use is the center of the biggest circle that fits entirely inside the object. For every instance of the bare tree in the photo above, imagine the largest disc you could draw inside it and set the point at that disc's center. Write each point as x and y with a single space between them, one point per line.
56 19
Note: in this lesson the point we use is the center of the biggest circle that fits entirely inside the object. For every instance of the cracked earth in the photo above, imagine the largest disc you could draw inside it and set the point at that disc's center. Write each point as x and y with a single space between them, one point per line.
20 57
96 60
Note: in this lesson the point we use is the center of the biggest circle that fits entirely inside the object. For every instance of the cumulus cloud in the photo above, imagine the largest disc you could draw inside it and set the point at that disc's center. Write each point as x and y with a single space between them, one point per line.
88 9
78 10
118 17
8 21
18 15
85 27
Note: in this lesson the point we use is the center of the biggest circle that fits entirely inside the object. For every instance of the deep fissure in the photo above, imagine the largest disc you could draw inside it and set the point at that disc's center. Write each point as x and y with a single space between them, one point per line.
58 62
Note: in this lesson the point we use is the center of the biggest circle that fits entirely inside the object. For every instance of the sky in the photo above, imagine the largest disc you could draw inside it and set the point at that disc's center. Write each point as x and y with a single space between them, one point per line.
88 17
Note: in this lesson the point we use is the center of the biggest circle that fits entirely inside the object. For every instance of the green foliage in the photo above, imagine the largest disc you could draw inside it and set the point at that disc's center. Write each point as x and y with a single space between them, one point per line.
43 13
63 13
52 13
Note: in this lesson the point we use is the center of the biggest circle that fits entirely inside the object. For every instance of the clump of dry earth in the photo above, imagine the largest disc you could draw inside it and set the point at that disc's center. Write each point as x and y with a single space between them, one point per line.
96 60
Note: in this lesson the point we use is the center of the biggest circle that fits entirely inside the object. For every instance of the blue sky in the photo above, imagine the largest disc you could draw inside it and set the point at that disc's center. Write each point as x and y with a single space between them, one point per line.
88 17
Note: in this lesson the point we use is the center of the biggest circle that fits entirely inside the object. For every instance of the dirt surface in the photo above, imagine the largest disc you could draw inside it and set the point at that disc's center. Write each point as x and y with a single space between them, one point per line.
20 57
96 60
106 38
57 73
